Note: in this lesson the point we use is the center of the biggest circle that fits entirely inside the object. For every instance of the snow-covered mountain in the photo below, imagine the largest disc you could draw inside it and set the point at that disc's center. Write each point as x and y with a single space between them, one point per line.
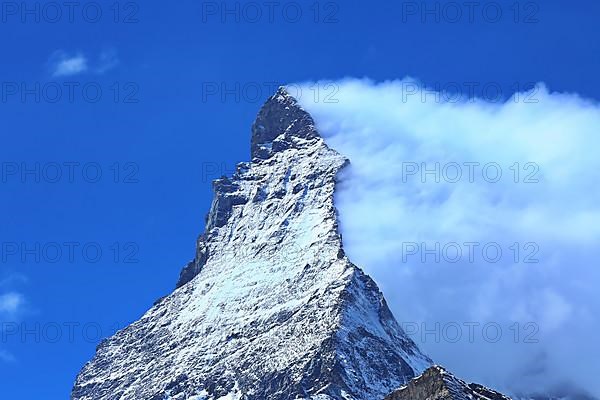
270 308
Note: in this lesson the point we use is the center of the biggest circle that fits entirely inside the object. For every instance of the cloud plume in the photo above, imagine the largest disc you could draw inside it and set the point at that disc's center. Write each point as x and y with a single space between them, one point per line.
480 221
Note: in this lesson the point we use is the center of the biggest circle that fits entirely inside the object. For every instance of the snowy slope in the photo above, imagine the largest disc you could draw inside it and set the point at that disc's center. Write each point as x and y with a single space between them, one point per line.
270 308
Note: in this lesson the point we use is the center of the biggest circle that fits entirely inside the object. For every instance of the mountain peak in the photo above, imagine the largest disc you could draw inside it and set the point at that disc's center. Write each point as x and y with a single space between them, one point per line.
280 122
270 308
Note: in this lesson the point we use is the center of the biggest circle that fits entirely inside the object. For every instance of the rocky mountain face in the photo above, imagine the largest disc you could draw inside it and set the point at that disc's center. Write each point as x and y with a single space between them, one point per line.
438 384
270 308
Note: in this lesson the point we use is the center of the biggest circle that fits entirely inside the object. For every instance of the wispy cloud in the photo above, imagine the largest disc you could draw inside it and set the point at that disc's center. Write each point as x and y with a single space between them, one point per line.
5 356
12 278
11 303
63 64
12 306
108 60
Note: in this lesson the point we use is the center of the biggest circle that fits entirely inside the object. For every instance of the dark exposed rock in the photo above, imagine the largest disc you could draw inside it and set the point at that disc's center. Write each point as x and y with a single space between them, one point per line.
438 384
279 121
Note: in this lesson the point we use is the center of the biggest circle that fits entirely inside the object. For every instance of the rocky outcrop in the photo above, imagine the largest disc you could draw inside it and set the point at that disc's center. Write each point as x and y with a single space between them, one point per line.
438 384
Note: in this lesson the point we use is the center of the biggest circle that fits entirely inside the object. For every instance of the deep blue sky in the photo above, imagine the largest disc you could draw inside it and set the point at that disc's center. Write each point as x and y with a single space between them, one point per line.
164 141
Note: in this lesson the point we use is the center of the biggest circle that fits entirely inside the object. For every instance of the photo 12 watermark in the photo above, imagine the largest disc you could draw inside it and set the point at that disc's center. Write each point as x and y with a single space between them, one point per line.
68 252
70 172
473 252
255 92
472 332
69 332
470 92
211 170
287 253
70 92
527 172
270 12
69 12
470 12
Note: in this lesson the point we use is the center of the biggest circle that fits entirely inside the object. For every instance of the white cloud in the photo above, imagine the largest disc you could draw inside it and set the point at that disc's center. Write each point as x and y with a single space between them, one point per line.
12 306
63 64
11 303
68 65
384 204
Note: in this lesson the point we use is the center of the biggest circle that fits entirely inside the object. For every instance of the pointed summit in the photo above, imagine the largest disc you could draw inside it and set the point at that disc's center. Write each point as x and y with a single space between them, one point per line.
280 121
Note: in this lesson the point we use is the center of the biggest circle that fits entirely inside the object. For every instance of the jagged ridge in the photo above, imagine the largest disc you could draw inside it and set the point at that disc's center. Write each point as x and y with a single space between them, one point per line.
438 384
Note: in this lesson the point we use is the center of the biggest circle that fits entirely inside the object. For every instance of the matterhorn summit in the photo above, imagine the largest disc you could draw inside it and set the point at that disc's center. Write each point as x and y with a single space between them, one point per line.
270 308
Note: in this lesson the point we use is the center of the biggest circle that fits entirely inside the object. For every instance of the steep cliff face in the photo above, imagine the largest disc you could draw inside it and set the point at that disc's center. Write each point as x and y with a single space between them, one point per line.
438 384
270 307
